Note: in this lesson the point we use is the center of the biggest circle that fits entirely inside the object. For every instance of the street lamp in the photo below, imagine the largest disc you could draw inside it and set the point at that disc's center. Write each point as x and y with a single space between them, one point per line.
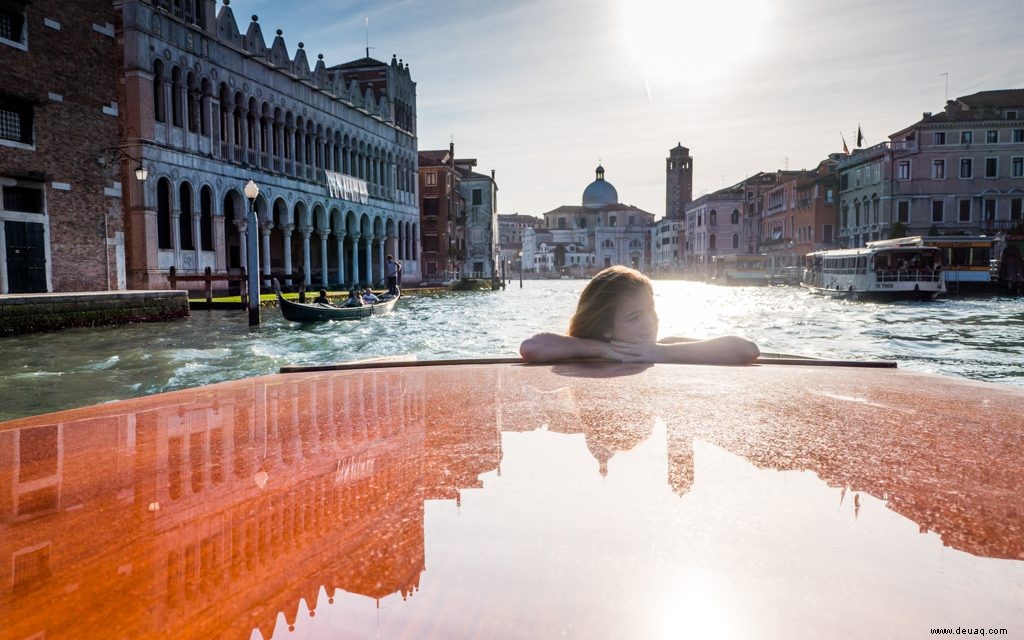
520 269
252 253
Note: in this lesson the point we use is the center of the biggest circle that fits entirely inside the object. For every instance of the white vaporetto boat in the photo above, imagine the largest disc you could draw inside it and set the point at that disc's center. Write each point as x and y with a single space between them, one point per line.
881 270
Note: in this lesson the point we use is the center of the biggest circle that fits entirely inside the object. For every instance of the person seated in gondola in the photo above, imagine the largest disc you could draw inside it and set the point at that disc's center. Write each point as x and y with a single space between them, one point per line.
369 297
354 300
323 299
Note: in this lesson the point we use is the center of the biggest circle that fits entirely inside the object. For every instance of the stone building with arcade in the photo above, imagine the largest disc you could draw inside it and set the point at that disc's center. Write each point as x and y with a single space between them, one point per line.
207 106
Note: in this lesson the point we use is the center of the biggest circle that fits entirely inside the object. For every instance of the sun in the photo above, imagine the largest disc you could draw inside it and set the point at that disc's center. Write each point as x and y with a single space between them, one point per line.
690 43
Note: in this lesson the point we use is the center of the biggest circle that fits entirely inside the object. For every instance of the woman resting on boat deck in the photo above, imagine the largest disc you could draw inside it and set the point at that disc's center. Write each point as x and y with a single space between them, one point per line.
615 320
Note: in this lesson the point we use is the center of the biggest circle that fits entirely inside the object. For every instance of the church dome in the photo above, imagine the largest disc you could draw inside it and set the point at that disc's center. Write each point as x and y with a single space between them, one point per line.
599 192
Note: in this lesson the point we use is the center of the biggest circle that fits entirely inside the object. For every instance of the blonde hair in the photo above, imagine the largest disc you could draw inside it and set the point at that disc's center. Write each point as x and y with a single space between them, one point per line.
596 307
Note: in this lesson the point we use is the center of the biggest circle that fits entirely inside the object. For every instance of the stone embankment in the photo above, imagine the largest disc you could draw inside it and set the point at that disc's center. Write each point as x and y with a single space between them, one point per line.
38 312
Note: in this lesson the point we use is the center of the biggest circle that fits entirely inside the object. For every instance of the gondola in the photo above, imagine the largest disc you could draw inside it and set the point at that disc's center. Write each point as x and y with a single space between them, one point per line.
309 312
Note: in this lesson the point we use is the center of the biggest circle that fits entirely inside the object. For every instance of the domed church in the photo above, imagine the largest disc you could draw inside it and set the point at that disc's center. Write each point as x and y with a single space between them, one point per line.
579 240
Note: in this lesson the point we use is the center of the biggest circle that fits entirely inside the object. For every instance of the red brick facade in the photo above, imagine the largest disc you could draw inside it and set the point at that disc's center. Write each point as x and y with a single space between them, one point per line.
58 82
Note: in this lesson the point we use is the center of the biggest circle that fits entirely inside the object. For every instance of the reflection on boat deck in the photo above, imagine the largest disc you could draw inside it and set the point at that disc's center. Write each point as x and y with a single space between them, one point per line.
207 512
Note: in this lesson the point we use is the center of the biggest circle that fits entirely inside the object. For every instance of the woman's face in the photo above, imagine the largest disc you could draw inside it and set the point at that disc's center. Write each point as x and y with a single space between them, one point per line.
635 319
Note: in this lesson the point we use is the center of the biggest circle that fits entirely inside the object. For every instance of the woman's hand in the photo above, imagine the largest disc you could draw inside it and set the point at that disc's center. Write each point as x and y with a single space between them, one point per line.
633 351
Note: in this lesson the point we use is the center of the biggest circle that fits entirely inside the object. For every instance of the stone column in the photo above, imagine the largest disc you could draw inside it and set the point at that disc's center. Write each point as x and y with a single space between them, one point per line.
306 233
340 237
265 251
286 230
323 233
380 255
197 239
369 259
289 146
176 235
244 250
355 259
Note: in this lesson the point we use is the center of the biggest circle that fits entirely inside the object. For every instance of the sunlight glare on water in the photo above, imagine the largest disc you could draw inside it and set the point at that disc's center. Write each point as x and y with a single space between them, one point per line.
979 338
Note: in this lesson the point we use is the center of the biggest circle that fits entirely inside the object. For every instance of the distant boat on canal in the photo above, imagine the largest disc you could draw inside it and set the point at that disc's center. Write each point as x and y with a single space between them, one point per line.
884 269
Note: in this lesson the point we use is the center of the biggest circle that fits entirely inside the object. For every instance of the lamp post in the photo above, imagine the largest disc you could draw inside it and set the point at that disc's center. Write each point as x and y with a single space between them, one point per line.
252 261
520 269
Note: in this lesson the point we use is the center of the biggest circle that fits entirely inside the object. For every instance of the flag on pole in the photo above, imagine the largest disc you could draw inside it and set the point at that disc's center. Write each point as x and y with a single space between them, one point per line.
846 149
860 137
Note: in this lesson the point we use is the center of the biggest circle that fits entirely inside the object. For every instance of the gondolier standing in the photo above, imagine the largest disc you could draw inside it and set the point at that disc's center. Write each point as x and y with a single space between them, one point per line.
394 271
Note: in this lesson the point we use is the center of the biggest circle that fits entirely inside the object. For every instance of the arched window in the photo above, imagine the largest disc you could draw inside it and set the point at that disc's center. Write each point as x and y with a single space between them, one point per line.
712 242
206 218
735 241
735 216
611 221
185 218
163 214
713 218
177 91
159 113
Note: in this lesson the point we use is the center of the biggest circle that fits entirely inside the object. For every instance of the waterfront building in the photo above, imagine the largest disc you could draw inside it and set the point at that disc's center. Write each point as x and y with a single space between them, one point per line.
959 171
510 237
441 207
480 222
580 240
714 225
206 107
798 215
668 237
60 202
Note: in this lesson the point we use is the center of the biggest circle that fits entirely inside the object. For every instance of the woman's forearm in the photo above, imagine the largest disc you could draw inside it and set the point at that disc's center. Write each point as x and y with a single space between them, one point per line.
550 347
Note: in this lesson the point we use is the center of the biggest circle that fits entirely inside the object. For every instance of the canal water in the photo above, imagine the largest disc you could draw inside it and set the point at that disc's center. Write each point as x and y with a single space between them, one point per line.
977 338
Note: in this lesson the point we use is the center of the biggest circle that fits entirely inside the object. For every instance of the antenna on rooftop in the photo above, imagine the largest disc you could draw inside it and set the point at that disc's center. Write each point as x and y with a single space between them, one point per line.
366 25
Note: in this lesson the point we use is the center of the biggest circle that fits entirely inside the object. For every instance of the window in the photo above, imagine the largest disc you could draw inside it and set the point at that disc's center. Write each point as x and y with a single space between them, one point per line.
965 211
991 137
903 211
430 179
13 28
735 216
829 196
966 137
991 167
826 234
23 199
611 221
430 206
735 241
1016 209
938 169
939 137
966 168
990 209
1017 167
1018 135
478 196
15 121
903 170
712 242
938 213
1011 115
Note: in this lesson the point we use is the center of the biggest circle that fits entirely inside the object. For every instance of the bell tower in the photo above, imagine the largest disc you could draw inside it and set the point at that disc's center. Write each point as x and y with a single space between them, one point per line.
678 181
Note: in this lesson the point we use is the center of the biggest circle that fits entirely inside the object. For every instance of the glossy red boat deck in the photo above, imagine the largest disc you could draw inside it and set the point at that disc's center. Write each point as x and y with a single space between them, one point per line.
512 501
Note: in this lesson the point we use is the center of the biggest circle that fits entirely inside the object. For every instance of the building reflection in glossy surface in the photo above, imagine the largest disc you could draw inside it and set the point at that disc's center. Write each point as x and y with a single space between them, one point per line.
594 500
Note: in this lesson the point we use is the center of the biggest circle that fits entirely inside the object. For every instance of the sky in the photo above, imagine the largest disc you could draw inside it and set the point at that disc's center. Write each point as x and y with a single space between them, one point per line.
541 92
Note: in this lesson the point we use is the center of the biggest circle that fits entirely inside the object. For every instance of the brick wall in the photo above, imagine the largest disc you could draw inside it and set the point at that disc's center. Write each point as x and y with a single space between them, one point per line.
69 72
